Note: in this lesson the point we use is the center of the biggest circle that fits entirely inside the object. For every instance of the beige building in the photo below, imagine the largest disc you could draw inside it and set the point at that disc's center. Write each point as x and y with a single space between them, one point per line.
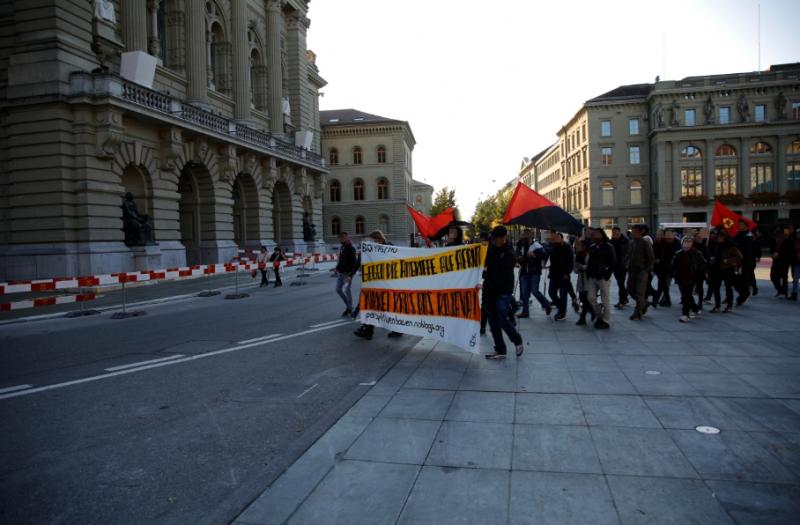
371 176
220 148
665 152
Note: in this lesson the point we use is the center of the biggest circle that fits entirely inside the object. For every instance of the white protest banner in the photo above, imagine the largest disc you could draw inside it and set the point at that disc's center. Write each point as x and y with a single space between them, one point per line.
430 292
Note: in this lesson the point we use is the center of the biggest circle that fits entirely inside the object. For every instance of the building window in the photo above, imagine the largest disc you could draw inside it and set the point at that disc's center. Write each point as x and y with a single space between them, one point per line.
761 178
357 155
635 220
381 155
688 117
691 152
606 156
724 114
636 193
383 223
691 182
336 226
383 189
333 157
633 126
725 150
358 190
586 195
761 112
725 177
793 148
607 192
796 109
634 155
793 176
335 191
608 224
584 158
605 128
360 225
760 148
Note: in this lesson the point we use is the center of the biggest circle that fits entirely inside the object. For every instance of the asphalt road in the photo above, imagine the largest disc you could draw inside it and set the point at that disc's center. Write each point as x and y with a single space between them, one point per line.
192 438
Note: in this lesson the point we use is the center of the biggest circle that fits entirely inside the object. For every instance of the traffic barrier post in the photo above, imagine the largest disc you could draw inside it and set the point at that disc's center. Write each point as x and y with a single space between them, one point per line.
208 292
236 294
83 312
125 314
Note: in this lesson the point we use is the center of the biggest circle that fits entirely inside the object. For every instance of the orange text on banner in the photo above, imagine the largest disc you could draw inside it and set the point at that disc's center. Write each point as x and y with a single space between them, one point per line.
458 303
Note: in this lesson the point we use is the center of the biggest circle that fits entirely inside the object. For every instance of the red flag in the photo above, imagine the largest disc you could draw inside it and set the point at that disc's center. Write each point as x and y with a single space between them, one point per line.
429 226
529 208
729 220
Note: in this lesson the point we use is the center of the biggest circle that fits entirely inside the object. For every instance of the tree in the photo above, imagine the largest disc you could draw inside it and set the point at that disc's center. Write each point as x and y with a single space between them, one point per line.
444 198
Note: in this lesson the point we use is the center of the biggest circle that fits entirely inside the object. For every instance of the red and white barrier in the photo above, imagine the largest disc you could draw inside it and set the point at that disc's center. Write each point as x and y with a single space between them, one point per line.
47 301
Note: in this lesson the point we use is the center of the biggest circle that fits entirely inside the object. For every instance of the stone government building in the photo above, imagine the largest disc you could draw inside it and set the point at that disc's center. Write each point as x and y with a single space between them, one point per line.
209 152
664 152
371 178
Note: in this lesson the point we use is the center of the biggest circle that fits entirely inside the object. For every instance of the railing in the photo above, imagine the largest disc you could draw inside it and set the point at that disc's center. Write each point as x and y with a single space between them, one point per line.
106 85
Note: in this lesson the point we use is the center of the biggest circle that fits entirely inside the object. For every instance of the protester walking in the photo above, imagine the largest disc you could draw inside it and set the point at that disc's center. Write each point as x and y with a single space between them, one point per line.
664 249
275 259
366 331
621 245
747 277
778 272
599 269
581 258
687 267
727 262
345 269
701 245
499 287
561 262
261 262
531 255
787 256
640 268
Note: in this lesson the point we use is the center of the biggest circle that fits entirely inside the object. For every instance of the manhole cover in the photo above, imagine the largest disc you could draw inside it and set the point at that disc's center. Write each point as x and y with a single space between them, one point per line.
653 373
707 430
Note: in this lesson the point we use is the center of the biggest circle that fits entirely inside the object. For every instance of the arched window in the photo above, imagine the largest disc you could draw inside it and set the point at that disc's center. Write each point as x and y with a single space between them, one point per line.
333 156
358 155
691 152
219 53
760 148
607 192
335 191
258 79
358 190
381 155
383 189
336 226
383 223
725 150
793 166
636 193
360 225
586 195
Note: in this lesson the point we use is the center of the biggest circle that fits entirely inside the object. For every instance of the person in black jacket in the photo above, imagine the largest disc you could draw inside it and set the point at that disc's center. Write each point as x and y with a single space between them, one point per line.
561 263
621 246
664 249
345 269
498 286
600 268
688 267
366 331
747 277
277 257
530 256
701 245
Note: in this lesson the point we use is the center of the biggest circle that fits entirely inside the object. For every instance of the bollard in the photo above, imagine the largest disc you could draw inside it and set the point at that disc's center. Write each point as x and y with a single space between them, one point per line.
208 292
83 312
236 294
125 314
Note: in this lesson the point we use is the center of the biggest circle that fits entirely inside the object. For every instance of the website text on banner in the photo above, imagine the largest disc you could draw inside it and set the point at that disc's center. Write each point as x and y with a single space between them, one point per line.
430 292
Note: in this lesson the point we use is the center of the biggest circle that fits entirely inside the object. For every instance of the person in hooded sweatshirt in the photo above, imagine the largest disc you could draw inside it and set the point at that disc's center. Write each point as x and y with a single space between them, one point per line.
531 256
599 269
688 268
498 286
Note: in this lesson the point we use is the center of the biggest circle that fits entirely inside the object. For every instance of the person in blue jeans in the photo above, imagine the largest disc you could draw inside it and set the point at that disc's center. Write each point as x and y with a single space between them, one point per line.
498 287
531 256
561 264
345 269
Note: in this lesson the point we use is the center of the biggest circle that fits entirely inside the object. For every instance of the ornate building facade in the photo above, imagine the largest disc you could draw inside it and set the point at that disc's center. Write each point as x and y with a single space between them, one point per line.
220 150
665 152
371 178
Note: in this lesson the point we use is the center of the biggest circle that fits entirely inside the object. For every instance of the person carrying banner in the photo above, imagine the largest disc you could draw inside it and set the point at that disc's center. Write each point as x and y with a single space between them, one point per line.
345 269
561 262
366 331
530 256
599 269
640 268
498 288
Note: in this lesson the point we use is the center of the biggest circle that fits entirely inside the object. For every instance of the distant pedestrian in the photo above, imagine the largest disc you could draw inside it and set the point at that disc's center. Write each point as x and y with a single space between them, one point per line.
787 252
728 261
778 270
261 261
345 269
640 268
561 262
499 287
581 258
530 256
621 245
275 259
701 245
747 276
664 249
688 266
599 269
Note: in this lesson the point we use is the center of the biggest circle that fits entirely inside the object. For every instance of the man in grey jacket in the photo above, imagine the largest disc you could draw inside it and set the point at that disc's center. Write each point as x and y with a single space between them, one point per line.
640 265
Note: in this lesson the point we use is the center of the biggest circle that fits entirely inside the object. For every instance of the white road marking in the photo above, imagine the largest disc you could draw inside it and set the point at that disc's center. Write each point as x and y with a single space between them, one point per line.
263 338
14 388
371 383
326 324
140 363
307 390
159 365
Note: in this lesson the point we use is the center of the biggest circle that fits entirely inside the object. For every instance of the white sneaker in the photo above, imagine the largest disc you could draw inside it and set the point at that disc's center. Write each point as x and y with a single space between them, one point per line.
684 319
692 315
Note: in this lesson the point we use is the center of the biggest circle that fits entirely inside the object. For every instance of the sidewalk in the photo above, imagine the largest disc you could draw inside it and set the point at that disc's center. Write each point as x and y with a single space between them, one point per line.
587 427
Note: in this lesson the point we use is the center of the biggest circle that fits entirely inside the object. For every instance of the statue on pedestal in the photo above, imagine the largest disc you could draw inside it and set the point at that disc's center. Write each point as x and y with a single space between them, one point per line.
743 108
137 227
309 230
708 110
104 10
673 114
780 106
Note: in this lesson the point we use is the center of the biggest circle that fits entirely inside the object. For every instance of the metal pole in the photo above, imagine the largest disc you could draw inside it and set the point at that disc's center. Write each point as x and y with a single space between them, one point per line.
209 292
236 294
124 314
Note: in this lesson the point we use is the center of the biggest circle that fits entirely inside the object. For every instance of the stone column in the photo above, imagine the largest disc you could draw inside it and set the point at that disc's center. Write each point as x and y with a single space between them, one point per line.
241 62
196 59
743 184
154 42
134 25
275 75
297 71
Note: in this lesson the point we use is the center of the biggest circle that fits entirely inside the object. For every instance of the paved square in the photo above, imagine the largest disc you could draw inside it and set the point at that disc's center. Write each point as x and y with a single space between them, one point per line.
585 427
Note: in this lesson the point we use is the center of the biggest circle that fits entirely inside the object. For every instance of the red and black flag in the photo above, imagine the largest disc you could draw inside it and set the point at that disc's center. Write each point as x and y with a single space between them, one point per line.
528 208
729 220
430 227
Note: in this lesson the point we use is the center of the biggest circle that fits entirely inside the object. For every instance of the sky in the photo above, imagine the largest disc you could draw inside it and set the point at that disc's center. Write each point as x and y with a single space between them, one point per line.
484 84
